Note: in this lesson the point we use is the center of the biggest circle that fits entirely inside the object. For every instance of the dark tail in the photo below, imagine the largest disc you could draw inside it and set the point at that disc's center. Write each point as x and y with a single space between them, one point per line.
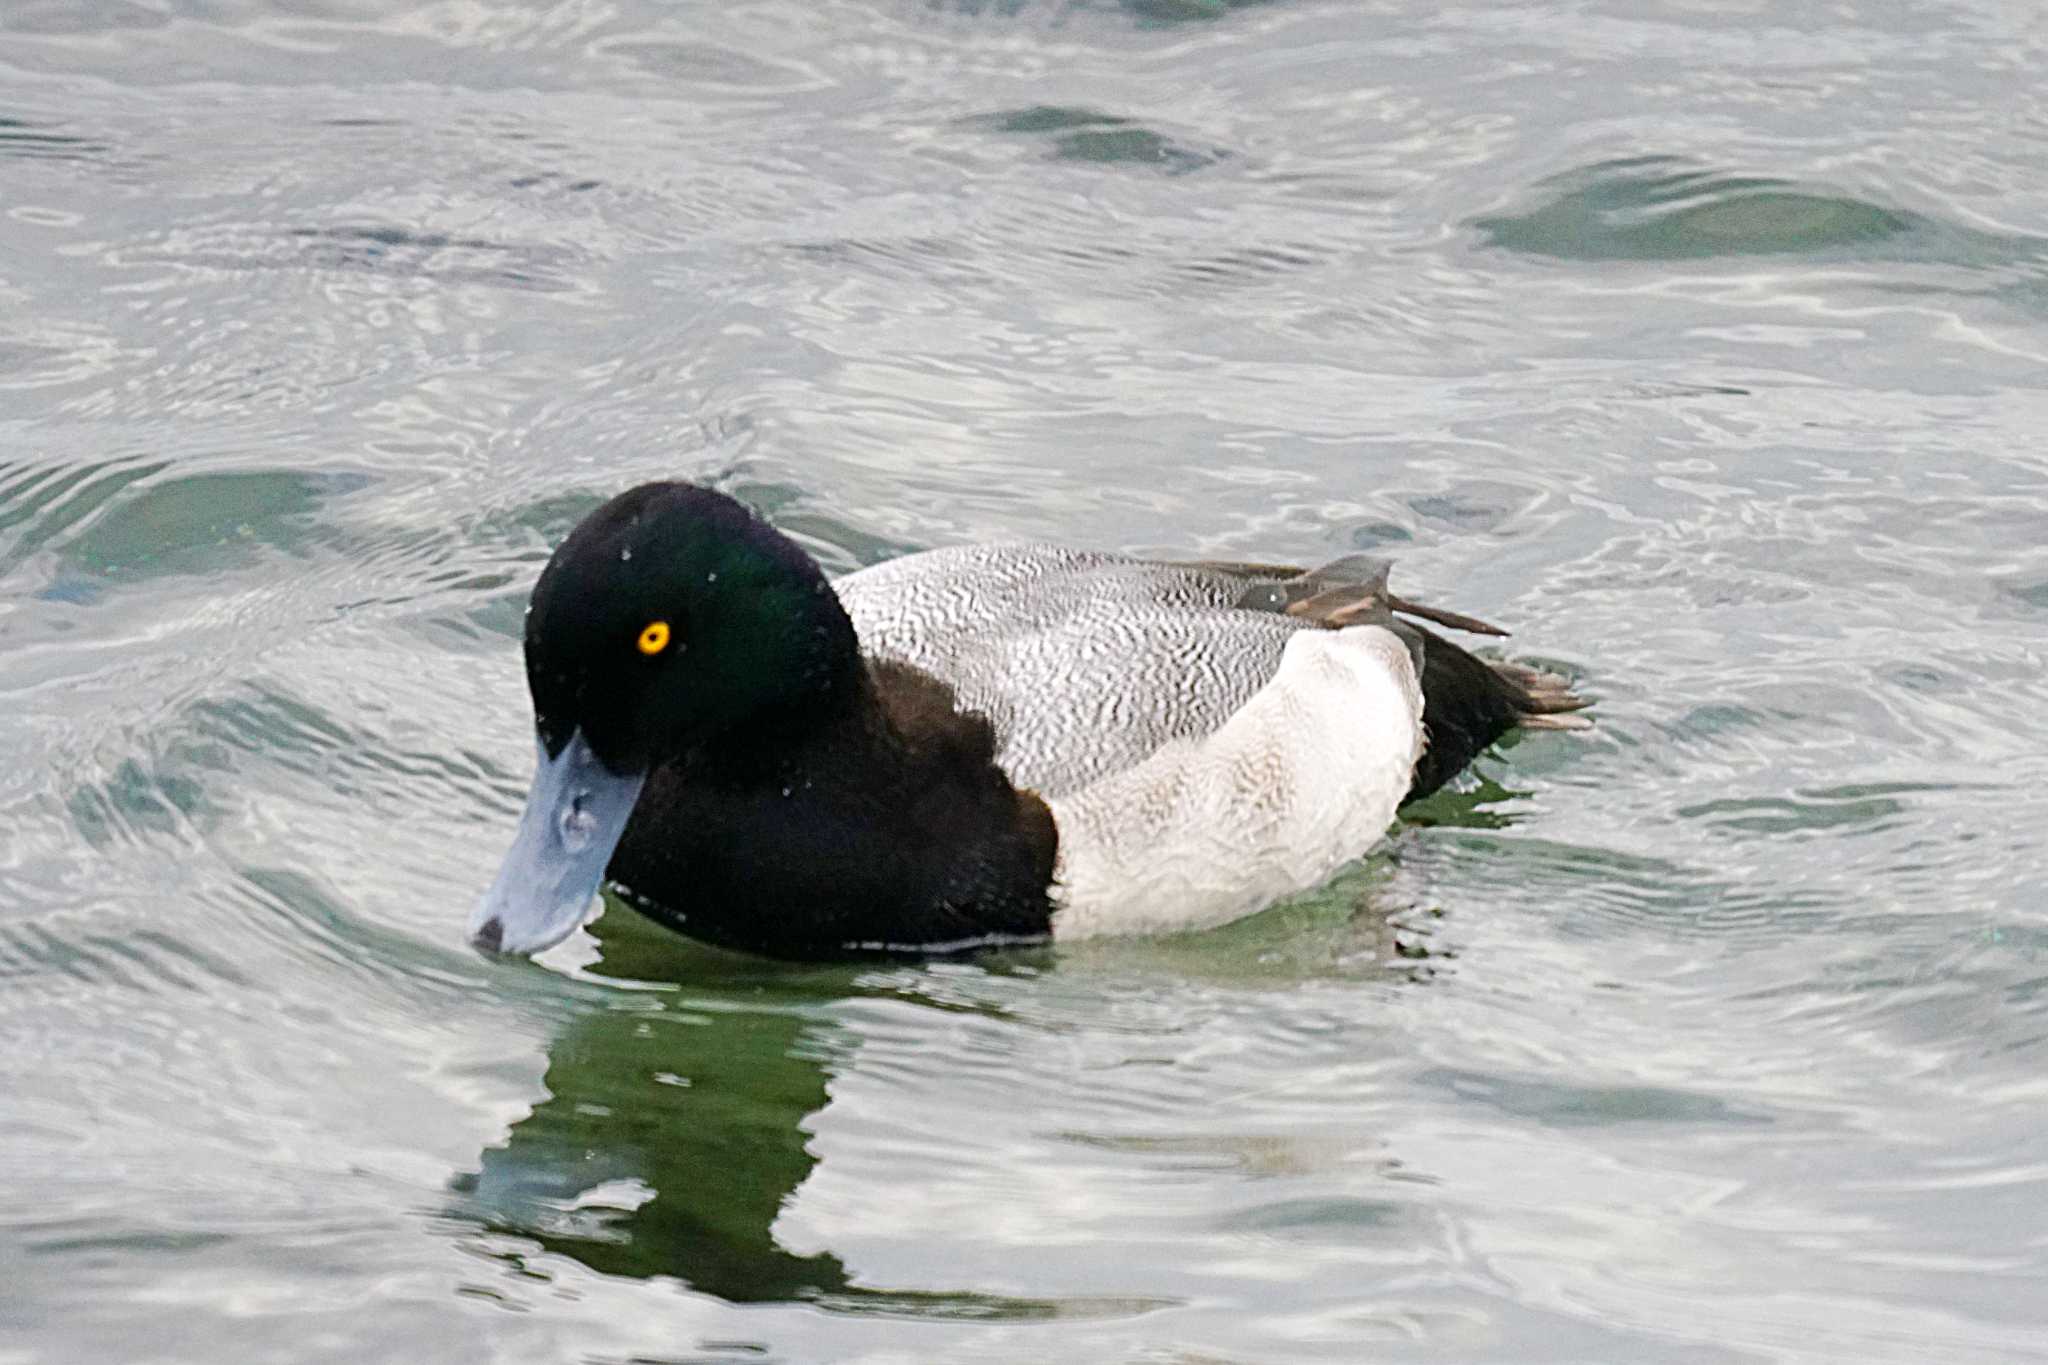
1469 702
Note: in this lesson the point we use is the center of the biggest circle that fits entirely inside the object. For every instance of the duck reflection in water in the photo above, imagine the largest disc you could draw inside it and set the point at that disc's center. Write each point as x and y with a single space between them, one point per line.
676 1125
674 1132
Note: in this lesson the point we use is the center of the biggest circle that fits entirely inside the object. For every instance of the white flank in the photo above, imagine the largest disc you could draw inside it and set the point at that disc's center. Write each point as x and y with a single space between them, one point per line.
1301 779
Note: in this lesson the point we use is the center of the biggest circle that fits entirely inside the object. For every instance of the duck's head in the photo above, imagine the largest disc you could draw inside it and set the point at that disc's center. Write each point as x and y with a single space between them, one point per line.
671 618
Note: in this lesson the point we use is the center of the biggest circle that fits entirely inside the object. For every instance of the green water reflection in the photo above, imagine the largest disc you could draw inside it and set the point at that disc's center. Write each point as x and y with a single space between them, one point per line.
675 1130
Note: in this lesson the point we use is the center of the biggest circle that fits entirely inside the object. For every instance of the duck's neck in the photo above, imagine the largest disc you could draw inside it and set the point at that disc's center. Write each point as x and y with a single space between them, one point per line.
877 823
835 715
819 686
834 672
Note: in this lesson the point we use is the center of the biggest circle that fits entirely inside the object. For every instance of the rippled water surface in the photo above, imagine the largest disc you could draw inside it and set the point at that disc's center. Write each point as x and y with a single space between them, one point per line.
1701 343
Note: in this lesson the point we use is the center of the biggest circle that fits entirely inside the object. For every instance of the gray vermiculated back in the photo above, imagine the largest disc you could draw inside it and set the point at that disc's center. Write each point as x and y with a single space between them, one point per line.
1085 662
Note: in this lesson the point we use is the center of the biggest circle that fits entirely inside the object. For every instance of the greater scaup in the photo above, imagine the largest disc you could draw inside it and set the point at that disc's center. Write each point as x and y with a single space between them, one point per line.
983 745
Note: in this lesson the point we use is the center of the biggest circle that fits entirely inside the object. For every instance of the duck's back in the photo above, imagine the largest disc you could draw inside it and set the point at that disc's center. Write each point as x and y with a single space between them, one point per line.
1085 662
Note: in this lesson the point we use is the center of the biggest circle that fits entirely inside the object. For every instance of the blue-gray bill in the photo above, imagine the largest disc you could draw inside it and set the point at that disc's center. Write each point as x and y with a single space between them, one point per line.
574 816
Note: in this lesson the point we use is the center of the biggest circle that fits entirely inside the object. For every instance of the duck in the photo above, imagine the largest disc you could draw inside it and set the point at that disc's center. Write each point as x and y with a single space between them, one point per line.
968 747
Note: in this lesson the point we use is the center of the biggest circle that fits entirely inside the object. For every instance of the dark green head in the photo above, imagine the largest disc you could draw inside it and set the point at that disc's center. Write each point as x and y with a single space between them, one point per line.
672 615
671 618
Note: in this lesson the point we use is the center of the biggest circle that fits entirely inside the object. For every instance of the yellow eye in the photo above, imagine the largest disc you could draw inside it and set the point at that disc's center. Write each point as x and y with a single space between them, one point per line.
654 639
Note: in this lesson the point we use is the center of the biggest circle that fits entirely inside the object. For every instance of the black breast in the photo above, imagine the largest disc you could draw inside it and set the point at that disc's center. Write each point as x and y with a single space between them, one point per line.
885 829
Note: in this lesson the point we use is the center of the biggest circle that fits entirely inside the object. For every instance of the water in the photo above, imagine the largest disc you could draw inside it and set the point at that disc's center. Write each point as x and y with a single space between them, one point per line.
1702 344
